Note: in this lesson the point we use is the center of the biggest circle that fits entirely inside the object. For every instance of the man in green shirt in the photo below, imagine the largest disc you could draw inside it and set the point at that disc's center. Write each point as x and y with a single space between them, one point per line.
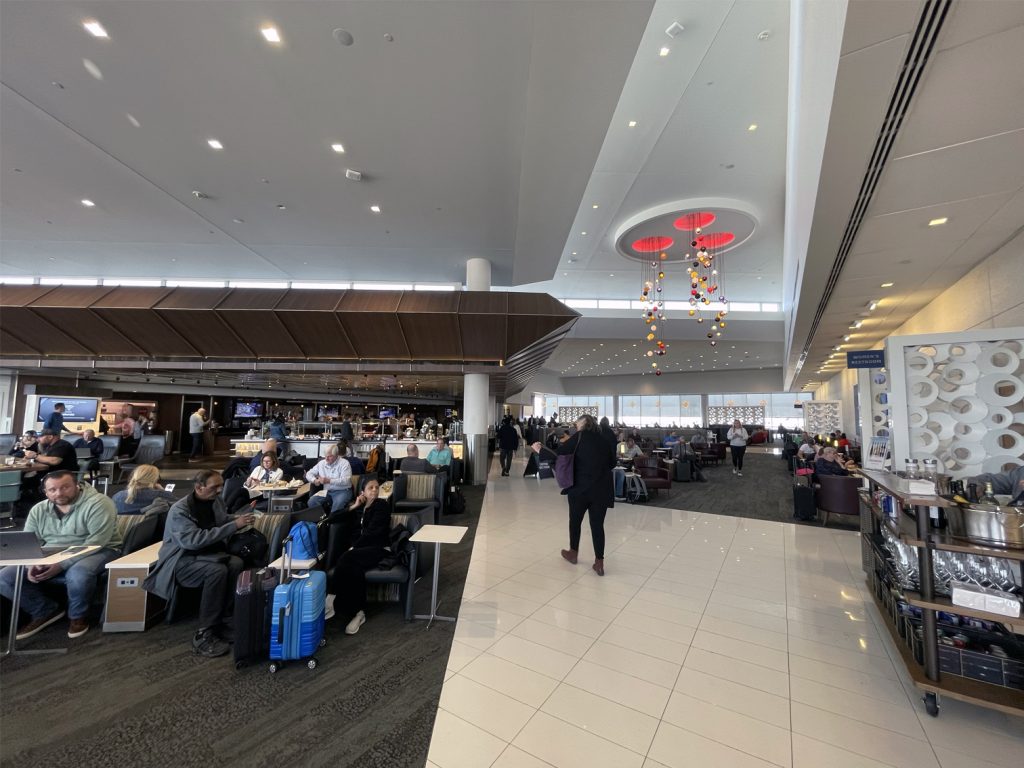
440 455
72 515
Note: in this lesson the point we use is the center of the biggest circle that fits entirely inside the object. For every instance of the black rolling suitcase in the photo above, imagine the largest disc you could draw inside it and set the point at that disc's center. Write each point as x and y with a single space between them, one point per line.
803 503
681 471
254 591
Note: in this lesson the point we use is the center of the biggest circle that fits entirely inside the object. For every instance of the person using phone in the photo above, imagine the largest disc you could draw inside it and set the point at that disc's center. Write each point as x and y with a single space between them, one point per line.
193 554
372 542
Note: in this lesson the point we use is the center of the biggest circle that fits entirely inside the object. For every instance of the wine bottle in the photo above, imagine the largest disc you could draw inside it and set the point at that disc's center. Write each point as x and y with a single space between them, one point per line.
989 496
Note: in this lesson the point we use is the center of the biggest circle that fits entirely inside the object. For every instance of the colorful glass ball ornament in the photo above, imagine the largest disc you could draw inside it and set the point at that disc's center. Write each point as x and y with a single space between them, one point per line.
657 373
714 343
693 312
700 319
650 353
711 335
650 337
654 365
663 256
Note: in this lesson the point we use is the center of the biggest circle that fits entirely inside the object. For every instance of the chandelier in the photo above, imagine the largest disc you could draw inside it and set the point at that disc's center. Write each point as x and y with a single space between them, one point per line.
652 303
707 294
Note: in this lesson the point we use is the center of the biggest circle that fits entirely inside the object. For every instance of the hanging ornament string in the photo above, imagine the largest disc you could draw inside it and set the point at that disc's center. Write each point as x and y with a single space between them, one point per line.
652 302
707 296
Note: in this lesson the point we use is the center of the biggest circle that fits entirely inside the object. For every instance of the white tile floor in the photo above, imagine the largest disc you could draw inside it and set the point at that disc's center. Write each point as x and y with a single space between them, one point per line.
711 641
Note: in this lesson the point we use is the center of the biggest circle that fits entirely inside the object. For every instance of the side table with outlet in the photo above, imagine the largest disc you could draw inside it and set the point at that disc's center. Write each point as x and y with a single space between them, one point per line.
129 607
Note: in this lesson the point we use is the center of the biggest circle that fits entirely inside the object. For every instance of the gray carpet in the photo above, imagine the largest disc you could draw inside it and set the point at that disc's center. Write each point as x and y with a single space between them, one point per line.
763 493
144 699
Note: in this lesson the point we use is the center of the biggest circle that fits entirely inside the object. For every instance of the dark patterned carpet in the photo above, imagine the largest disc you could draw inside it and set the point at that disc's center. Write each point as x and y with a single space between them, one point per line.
143 699
764 493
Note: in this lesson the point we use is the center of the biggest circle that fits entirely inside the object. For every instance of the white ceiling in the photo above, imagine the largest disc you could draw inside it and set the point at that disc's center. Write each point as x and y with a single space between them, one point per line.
959 155
476 129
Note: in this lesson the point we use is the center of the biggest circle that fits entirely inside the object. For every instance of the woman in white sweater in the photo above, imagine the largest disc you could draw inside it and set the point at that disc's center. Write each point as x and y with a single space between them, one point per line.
268 471
737 437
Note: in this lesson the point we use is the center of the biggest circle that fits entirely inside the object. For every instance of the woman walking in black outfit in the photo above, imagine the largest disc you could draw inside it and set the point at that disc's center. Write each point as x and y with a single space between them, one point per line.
371 545
592 492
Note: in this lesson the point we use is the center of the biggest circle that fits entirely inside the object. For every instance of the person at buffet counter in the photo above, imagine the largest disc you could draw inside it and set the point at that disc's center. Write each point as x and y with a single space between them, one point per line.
1004 483
71 515
831 463
412 461
130 434
440 455
333 476
27 442
55 421
197 424
345 430
278 429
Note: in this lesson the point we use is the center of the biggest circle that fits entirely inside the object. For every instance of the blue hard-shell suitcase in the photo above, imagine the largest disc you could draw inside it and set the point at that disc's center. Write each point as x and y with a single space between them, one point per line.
297 617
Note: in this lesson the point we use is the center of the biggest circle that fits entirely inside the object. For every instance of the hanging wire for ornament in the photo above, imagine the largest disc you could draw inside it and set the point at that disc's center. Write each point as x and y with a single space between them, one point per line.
652 303
704 267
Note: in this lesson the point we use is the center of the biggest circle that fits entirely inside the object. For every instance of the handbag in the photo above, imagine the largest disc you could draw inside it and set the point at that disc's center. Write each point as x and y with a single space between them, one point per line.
250 545
564 467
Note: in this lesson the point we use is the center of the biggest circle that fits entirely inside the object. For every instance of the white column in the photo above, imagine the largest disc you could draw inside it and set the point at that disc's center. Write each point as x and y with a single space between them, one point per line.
475 401
478 275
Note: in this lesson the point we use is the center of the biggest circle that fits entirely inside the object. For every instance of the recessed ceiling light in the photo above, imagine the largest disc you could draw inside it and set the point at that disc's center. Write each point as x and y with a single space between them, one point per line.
752 127
339 148
374 209
938 222
583 233
95 28
92 69
665 50
133 120
846 337
281 207
214 144
872 305
88 203
594 206
631 124
270 34
887 285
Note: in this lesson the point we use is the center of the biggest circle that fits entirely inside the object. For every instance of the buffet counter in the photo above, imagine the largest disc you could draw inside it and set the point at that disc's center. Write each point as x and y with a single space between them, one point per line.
314 447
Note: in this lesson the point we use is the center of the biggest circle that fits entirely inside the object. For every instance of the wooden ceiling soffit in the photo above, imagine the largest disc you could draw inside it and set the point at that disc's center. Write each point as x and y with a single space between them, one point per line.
250 314
370 318
430 324
483 323
70 310
524 365
310 319
129 311
189 311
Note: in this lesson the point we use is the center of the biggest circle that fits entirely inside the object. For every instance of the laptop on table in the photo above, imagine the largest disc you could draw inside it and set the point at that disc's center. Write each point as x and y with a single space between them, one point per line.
24 545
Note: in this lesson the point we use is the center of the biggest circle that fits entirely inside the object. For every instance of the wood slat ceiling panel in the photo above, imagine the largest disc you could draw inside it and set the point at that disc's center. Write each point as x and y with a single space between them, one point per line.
263 332
34 329
147 330
206 332
91 331
131 298
536 304
318 334
251 298
370 301
429 301
310 301
375 335
13 347
432 336
481 302
192 298
524 330
72 296
22 295
483 336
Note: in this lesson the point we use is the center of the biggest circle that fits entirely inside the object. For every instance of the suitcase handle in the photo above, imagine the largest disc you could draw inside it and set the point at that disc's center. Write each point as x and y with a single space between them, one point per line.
280 627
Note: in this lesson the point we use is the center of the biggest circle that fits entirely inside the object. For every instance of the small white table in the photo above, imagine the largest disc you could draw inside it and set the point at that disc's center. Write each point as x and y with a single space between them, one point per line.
438 535
297 564
129 607
19 577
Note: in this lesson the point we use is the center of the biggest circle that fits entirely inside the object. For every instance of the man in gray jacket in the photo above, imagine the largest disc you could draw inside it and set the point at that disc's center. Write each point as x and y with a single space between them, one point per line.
193 555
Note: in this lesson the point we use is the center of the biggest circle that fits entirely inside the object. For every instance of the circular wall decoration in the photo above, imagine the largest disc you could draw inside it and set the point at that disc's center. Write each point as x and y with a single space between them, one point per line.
674 232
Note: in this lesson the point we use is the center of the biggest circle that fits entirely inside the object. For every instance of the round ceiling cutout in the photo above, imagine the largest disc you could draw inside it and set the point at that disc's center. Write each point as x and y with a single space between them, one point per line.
653 244
722 229
690 221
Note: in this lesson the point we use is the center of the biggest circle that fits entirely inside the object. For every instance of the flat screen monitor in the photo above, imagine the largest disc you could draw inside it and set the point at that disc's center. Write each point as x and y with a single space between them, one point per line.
387 413
327 412
76 409
248 409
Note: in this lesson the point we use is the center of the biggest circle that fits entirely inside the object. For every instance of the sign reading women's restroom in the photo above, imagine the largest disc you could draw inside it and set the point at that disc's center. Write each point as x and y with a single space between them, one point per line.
867 358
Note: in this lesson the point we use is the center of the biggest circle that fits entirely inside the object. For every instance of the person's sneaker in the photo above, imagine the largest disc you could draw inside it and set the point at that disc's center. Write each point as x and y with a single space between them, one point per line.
734 470
357 621
77 628
739 474
329 607
206 643
37 625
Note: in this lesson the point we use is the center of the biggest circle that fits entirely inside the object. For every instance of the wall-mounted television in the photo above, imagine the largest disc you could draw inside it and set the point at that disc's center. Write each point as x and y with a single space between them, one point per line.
327 412
76 409
387 413
248 409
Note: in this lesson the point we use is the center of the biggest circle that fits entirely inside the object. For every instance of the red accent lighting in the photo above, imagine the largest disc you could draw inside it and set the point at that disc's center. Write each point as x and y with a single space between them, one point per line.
717 239
690 221
652 244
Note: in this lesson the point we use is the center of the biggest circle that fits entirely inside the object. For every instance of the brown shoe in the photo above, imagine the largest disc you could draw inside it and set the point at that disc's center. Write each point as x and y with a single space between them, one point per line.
599 567
570 555
77 628
37 625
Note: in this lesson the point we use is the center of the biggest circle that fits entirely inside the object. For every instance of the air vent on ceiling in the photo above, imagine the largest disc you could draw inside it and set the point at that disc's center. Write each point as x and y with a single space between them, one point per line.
933 16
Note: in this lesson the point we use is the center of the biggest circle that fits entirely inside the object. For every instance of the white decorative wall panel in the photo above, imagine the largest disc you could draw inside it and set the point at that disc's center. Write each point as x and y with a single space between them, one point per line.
822 416
727 414
959 398
569 413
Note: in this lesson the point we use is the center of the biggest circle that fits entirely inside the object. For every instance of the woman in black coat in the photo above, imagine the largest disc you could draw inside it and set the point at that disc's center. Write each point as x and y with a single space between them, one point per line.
372 543
592 491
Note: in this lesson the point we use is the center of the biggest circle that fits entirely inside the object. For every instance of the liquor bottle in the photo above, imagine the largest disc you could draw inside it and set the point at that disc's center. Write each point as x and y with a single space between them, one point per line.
936 517
989 497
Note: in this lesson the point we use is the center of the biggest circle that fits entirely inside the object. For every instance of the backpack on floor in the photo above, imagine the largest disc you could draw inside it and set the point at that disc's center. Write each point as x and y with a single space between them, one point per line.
636 489
456 502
